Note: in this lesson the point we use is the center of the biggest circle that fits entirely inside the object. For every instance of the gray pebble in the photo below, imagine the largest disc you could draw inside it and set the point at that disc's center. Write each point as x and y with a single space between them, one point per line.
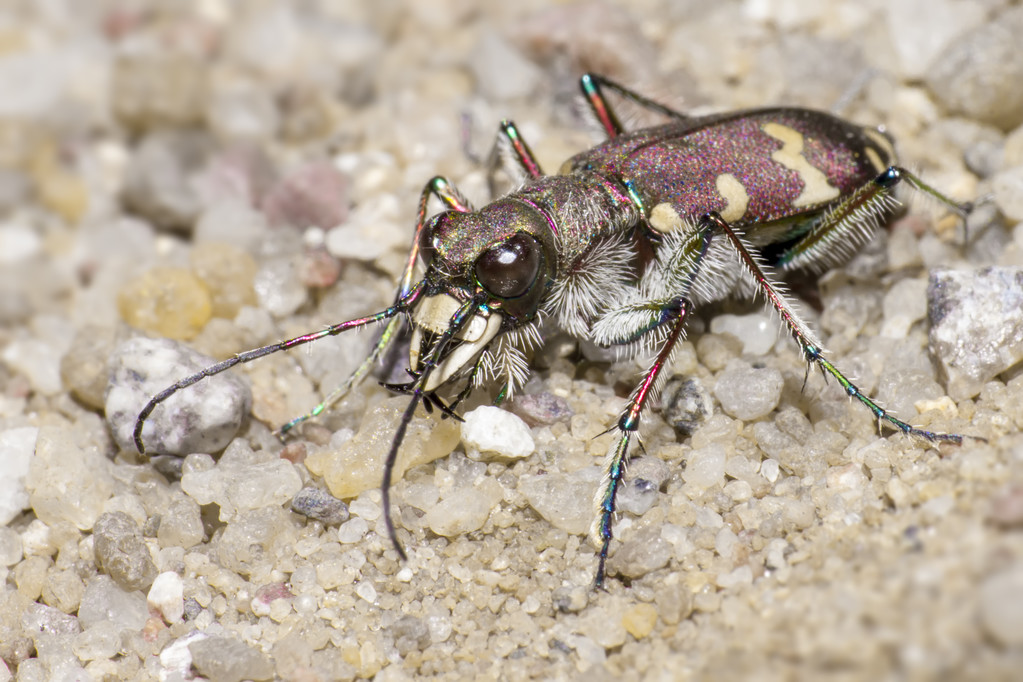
159 180
320 505
685 404
642 552
541 408
748 393
104 602
410 634
121 552
980 75
220 659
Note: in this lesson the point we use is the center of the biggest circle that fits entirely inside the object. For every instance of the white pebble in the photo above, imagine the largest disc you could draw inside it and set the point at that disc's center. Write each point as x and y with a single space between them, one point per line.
740 576
748 393
489 429
305 604
167 596
367 592
705 467
1000 612
758 332
365 507
35 539
353 530
17 243
10 546
16 449
726 543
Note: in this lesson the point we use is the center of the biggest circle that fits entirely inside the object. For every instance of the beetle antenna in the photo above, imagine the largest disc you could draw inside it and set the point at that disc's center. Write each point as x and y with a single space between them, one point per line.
248 356
457 322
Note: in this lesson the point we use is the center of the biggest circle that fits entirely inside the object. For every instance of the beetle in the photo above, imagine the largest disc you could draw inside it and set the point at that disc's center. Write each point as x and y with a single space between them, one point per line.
618 248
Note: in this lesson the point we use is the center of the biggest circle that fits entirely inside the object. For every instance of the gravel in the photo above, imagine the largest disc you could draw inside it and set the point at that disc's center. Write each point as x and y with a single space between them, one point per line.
225 175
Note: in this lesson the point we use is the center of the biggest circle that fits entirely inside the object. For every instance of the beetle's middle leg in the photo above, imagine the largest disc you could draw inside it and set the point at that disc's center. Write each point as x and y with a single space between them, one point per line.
847 226
453 199
812 349
628 424
662 306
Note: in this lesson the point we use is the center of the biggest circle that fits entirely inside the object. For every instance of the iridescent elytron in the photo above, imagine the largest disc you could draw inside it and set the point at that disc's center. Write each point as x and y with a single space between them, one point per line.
618 248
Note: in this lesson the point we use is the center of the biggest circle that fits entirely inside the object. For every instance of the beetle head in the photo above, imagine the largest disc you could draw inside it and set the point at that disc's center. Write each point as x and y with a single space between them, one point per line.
502 256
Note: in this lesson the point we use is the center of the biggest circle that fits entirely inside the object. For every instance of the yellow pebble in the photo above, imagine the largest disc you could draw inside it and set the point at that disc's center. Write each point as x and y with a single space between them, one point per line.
170 302
64 194
357 464
59 190
228 273
639 621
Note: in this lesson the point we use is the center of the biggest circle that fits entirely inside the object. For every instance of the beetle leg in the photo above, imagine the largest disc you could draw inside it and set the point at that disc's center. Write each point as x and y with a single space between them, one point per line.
847 226
400 306
444 190
628 423
512 154
592 84
681 259
812 349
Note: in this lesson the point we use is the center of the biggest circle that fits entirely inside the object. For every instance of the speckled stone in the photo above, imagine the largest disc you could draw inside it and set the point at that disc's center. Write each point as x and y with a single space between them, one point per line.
202 418
320 505
976 325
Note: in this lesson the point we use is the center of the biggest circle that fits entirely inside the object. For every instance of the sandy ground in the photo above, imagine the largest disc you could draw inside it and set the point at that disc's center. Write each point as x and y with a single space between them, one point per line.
229 174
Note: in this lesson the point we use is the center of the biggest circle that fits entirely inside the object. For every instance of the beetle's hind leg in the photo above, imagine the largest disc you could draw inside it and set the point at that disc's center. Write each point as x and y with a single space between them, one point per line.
812 349
592 86
453 199
848 225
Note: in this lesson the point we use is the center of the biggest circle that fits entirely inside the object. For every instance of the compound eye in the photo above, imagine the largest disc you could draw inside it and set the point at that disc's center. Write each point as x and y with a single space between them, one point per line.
509 269
426 248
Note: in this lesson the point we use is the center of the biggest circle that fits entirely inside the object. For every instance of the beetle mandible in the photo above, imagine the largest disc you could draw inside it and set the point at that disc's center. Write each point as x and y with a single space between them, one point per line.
723 202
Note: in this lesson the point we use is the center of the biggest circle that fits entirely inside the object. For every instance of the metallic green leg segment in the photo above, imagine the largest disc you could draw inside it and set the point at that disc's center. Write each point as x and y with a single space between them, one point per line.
523 163
810 347
843 229
628 424
447 193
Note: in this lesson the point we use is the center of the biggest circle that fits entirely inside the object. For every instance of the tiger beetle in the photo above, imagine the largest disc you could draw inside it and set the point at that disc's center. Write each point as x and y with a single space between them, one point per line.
618 248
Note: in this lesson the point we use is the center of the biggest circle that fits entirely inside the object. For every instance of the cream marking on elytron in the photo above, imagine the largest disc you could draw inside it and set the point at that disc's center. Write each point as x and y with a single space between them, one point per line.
878 138
664 219
735 196
816 188
875 160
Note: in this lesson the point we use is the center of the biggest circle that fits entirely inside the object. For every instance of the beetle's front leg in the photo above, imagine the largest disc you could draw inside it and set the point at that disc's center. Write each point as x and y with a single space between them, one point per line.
512 154
617 456
444 190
